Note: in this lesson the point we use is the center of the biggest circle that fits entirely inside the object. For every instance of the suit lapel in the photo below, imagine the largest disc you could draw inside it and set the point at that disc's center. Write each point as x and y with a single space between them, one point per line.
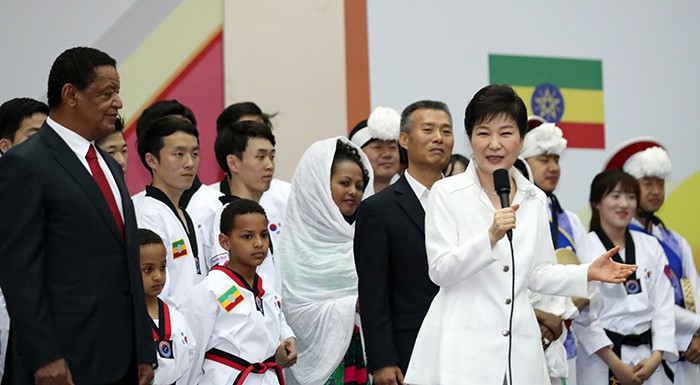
69 161
408 201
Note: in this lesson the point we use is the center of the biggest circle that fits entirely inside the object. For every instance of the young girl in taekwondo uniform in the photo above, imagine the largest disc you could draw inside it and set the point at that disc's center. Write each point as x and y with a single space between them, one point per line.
237 317
174 342
628 329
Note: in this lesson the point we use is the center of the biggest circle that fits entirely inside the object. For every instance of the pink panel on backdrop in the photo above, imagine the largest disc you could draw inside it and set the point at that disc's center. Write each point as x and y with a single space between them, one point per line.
200 87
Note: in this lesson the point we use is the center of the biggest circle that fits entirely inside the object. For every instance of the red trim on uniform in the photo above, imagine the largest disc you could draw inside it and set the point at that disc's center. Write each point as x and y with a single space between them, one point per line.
168 326
583 135
261 291
231 275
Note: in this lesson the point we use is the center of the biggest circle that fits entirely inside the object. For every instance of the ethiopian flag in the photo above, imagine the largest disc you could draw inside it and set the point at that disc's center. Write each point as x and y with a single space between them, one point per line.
568 92
179 248
231 298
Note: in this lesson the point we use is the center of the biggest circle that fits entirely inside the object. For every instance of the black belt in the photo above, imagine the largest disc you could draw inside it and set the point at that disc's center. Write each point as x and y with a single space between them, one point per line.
632 340
244 366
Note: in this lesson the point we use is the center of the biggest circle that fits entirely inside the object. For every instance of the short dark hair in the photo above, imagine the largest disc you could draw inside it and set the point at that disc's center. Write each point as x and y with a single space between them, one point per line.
603 184
14 111
407 114
77 66
163 108
232 139
454 158
492 101
343 152
236 208
151 138
236 111
148 237
118 128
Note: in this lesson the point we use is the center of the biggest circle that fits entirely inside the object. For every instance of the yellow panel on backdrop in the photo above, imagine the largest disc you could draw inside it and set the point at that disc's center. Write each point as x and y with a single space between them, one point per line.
163 54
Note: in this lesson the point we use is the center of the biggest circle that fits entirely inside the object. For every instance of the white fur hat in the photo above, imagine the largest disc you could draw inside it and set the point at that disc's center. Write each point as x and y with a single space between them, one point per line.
546 138
383 124
641 157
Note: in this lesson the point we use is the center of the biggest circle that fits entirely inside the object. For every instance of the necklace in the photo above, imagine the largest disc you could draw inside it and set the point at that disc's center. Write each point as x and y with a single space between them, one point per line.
488 192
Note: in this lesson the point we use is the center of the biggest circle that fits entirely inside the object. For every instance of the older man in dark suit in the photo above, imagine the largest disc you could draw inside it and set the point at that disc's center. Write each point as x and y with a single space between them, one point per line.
394 288
69 260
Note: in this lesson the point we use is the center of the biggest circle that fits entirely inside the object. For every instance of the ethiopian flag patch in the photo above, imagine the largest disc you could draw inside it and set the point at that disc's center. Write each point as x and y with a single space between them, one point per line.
231 298
568 92
179 249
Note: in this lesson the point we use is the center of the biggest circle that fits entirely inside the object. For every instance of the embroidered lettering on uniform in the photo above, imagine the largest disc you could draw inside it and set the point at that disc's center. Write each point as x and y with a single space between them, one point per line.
179 249
231 298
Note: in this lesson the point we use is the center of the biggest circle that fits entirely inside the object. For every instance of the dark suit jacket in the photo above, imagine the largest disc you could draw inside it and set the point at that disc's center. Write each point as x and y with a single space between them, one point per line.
392 266
72 284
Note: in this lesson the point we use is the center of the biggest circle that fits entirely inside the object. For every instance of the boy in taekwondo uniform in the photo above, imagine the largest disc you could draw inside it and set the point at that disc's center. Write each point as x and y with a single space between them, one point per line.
236 317
169 148
646 160
542 148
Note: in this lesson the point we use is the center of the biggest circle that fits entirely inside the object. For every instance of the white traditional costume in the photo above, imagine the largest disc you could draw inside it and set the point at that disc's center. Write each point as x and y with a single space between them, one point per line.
319 279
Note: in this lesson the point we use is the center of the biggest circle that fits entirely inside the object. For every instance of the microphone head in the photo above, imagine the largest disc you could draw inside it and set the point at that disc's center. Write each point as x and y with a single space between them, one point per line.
501 181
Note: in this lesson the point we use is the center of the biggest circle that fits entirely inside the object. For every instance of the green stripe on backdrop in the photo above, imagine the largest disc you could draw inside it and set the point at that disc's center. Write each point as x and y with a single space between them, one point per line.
532 71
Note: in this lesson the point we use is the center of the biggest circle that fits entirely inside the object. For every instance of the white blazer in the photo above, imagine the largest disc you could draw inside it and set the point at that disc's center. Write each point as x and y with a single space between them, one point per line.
464 337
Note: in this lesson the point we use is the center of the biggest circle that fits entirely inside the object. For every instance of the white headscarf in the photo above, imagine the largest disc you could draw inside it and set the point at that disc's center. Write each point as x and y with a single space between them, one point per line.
319 280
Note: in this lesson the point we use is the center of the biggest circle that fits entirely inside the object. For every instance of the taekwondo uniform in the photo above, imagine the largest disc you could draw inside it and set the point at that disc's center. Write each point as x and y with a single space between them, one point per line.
174 345
685 282
624 310
200 201
646 158
184 264
238 329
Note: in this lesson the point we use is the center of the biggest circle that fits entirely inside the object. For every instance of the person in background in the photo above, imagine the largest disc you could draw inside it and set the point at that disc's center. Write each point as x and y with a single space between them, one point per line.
319 282
199 200
378 137
20 118
457 165
543 146
114 144
628 329
646 160
392 268
245 151
169 149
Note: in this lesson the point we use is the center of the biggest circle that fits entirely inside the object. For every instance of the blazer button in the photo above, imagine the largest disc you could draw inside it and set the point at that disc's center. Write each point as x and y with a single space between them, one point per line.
508 301
506 268
506 333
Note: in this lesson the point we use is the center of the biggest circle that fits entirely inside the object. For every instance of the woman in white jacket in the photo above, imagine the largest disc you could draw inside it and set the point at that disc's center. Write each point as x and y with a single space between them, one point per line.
467 336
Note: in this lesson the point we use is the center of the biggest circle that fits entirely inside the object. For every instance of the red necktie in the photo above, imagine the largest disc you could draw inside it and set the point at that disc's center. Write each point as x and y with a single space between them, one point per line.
101 180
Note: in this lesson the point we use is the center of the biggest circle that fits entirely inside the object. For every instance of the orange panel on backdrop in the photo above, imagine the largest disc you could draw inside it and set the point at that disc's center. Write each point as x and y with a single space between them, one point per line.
356 61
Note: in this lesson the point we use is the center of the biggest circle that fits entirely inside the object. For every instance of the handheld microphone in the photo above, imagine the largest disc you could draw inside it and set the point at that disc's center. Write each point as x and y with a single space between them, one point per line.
501 181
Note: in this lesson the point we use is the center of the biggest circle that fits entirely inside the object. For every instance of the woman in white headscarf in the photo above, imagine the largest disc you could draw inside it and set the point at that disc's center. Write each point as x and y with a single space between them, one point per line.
319 281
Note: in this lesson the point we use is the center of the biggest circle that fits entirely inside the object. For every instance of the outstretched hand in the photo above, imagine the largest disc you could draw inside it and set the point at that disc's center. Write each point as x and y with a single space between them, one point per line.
604 269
